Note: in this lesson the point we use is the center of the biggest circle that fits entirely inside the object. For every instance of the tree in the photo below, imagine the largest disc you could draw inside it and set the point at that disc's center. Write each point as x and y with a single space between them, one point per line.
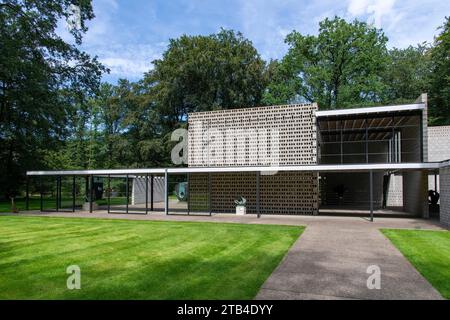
439 93
42 78
340 67
407 73
198 73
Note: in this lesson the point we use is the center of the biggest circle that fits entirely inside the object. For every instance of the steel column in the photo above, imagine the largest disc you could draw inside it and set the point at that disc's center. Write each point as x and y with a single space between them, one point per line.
146 194
209 194
127 192
40 193
27 196
258 208
109 193
91 193
371 194
73 193
187 190
57 192
341 143
166 192
151 192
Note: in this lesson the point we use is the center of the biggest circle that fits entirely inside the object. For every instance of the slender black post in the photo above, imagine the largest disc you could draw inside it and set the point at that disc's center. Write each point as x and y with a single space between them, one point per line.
151 192
60 193
209 194
57 193
91 194
188 197
371 194
435 182
258 209
146 193
73 194
126 192
342 141
40 193
27 197
166 192
109 193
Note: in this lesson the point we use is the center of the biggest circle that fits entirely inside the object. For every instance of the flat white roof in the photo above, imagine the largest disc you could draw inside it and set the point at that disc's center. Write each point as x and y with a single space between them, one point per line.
310 168
343 112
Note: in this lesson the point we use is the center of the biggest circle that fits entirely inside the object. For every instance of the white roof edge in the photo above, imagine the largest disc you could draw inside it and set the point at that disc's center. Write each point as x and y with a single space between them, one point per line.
311 168
341 112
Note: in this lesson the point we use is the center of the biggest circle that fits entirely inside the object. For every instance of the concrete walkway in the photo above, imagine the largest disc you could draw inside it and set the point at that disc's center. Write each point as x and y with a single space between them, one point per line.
329 260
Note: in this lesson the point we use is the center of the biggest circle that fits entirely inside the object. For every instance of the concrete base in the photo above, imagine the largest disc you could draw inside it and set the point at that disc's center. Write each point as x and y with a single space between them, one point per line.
86 206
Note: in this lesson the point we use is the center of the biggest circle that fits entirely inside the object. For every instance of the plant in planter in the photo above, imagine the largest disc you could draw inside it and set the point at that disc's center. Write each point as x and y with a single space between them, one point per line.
241 205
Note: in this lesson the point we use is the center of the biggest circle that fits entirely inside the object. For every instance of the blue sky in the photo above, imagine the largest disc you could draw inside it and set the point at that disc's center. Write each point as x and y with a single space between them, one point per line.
127 35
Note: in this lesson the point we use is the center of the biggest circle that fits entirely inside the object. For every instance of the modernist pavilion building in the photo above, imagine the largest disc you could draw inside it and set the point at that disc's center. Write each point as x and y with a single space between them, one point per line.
289 160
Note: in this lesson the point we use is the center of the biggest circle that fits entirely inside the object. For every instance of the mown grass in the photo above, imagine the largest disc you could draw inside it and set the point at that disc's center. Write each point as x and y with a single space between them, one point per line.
122 259
428 251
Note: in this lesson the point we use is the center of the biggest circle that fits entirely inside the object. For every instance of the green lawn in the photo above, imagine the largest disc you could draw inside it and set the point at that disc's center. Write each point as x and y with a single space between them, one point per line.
122 259
428 252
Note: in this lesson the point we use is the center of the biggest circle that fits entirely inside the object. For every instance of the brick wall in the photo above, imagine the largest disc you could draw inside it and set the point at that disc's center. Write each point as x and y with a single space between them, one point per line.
282 193
444 182
438 143
395 191
415 193
264 136
276 135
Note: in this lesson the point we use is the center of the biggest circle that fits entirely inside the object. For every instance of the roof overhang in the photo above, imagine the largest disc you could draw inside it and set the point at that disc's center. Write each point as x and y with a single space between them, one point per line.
305 168
370 110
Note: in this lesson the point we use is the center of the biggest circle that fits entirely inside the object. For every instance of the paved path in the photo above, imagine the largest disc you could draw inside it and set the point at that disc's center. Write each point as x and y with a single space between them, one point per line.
330 260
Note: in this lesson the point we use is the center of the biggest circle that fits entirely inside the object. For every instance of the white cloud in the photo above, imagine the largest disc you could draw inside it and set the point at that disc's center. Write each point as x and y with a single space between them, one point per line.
128 60
375 10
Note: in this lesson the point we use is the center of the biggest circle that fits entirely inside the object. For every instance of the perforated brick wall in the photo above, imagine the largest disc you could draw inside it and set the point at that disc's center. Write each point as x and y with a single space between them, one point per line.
282 193
444 182
438 143
276 135
264 136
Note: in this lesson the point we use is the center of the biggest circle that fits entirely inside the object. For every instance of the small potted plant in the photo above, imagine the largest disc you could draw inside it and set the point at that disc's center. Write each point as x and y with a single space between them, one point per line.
240 206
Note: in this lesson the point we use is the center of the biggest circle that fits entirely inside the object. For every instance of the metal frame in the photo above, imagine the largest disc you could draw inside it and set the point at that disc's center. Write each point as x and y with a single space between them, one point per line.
89 175
381 109
312 168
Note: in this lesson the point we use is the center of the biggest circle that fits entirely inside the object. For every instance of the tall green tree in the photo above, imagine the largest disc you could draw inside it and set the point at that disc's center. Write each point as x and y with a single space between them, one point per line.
439 93
198 73
41 78
340 67
407 74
